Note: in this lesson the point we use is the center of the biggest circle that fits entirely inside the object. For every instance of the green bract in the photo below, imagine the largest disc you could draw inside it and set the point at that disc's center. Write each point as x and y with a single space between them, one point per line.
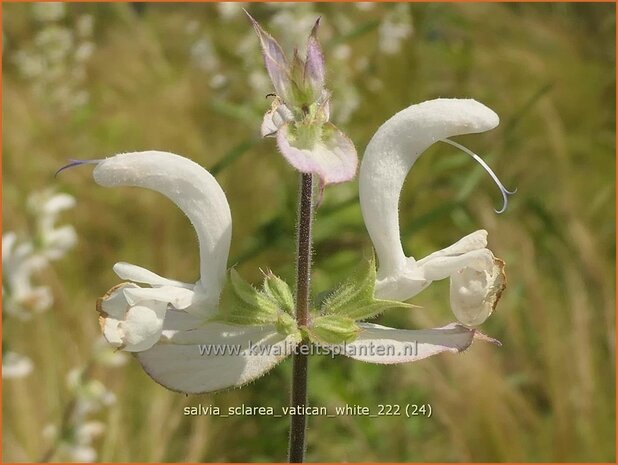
243 304
333 329
355 298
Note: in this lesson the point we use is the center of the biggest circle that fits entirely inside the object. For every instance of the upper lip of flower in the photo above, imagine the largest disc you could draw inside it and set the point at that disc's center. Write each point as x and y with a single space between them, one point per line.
195 191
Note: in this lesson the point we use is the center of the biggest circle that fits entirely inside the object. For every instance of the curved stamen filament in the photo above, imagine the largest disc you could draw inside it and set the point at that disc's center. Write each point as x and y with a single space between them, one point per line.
503 190
76 163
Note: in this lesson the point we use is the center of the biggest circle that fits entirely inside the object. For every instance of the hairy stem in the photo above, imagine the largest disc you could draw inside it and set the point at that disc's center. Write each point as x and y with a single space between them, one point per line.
298 400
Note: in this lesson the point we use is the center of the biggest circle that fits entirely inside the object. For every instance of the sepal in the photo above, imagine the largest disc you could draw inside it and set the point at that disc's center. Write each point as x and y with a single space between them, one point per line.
355 298
333 329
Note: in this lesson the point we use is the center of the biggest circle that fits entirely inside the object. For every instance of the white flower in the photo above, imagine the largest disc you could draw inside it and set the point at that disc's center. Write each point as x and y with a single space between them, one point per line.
48 11
230 10
85 25
187 344
15 365
54 241
165 324
396 27
19 264
22 259
477 277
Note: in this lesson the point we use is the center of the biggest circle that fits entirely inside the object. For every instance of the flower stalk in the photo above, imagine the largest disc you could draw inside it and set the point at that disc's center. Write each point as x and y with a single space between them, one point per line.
298 399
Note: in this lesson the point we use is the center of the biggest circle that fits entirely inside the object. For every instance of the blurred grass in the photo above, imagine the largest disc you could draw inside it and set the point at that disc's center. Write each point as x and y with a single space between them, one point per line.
548 394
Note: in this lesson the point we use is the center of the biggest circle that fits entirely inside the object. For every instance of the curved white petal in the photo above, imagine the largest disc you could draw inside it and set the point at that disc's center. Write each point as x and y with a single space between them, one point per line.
473 241
383 345
131 324
142 326
194 190
278 115
181 361
475 293
138 274
178 297
58 241
58 202
114 303
389 157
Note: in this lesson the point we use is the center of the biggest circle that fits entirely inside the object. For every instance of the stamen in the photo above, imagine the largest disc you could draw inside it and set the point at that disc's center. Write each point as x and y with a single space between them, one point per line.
76 163
503 190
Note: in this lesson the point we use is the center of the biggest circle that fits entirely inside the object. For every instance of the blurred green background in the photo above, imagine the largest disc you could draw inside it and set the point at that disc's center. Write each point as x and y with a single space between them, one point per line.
91 80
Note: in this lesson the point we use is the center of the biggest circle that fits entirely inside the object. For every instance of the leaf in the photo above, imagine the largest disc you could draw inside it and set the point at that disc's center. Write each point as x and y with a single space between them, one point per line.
355 298
333 329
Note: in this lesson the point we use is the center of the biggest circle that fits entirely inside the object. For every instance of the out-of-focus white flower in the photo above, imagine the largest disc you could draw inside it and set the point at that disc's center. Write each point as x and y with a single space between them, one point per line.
85 26
84 51
394 29
57 41
217 81
365 6
79 453
48 11
19 263
54 62
76 443
15 365
90 395
192 27
342 52
230 10
259 82
54 241
290 21
29 64
204 56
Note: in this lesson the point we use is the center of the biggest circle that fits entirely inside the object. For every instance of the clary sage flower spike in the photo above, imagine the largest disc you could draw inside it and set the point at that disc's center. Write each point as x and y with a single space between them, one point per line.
477 277
222 332
300 112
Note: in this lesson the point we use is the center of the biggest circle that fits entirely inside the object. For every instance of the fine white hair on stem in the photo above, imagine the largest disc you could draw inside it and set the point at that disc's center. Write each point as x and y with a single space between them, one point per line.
503 190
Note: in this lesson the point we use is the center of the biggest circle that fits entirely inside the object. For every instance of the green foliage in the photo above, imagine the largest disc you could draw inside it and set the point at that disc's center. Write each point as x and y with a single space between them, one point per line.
355 298
243 304
279 292
333 329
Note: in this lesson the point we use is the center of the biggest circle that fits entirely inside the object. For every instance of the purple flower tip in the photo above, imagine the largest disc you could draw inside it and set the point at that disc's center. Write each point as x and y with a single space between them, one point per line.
76 163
